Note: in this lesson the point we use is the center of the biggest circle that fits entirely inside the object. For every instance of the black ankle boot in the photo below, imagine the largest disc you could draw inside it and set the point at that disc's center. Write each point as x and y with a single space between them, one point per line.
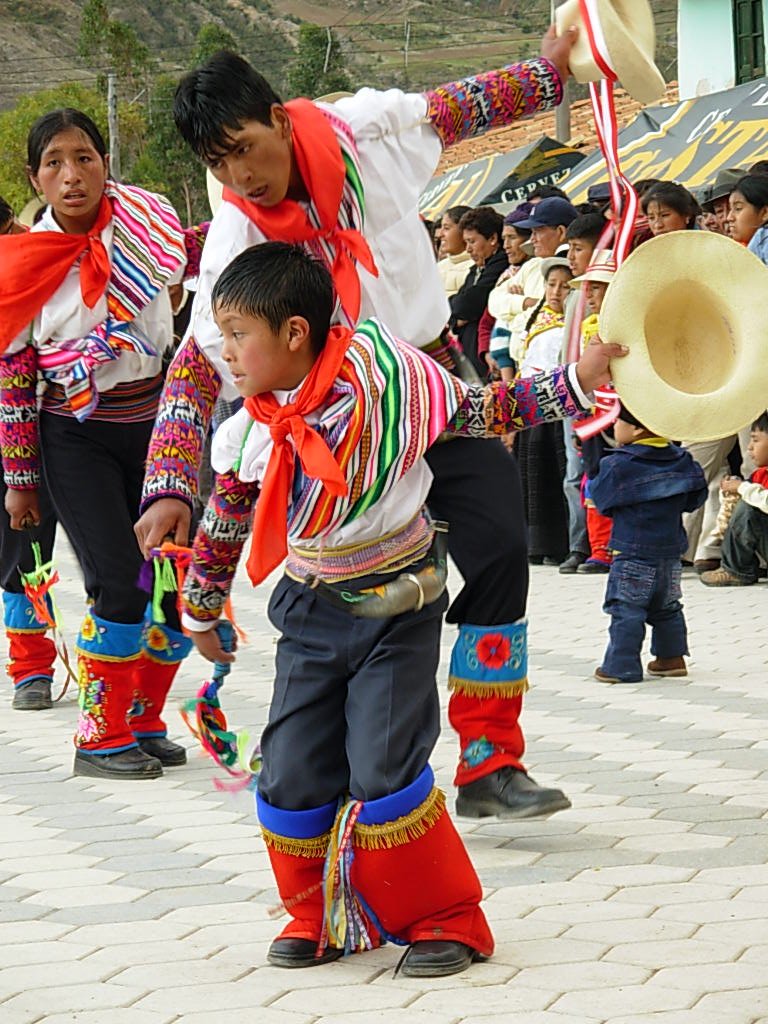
290 952
127 764
434 958
508 793
34 695
168 753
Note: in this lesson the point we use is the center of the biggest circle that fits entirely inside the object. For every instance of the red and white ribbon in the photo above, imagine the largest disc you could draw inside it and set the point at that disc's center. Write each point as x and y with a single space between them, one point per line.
624 201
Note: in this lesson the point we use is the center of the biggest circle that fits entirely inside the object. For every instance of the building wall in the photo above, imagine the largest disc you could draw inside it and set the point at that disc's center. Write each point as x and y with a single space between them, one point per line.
706 57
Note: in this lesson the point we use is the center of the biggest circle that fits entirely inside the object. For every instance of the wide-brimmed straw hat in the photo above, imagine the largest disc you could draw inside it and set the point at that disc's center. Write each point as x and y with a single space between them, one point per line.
627 32
601 268
684 305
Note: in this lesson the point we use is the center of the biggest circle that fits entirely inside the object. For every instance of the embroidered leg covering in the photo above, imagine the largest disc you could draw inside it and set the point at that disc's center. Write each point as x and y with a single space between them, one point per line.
412 872
297 843
107 657
488 676
32 652
163 650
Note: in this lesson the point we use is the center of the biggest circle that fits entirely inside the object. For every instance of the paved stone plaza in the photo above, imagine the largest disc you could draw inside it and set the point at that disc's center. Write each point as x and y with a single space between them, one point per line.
149 903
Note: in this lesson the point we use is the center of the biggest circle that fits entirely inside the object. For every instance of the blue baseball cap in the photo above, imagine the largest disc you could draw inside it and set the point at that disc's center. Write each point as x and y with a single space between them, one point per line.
550 213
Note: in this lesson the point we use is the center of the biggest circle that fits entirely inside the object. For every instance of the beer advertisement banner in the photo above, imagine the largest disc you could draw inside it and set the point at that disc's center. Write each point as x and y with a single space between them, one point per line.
687 142
500 177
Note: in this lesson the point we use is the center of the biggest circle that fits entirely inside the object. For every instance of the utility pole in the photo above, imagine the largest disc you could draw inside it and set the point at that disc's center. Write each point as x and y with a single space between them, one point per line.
406 46
563 112
114 127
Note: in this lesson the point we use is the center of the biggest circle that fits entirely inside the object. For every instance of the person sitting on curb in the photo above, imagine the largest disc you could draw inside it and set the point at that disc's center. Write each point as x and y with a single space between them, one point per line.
746 537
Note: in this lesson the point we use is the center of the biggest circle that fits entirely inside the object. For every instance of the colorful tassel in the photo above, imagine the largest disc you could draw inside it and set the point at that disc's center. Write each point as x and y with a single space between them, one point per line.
38 589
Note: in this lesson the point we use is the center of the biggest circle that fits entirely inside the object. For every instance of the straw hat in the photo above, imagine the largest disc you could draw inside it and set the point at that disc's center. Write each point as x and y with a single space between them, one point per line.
684 305
27 215
630 40
602 268
554 261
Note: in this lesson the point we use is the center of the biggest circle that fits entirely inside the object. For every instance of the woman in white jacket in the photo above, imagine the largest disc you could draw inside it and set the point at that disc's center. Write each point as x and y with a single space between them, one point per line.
517 291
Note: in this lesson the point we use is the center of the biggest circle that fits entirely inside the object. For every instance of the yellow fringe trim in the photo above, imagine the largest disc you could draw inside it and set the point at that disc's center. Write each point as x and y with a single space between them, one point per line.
82 653
315 846
402 830
472 688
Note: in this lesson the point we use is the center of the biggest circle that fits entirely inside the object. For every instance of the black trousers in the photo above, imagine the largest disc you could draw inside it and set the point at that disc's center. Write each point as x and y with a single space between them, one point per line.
477 491
94 472
541 452
355 707
16 545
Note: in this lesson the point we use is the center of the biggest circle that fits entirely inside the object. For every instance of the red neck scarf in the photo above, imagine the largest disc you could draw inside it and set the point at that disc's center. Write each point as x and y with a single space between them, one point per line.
270 523
35 264
318 157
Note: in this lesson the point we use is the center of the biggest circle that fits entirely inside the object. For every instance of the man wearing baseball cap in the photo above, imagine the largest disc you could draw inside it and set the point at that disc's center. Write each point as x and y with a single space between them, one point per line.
547 225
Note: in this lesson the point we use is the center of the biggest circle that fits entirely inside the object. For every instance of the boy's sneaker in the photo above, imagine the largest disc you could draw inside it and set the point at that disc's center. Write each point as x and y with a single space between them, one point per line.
723 578
667 667
604 677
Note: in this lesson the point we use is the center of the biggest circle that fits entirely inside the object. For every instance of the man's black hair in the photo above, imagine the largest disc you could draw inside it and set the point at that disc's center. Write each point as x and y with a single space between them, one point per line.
761 423
588 226
548 192
274 281
217 99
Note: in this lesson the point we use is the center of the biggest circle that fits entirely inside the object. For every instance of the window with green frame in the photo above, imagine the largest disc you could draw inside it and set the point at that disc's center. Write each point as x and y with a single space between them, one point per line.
749 39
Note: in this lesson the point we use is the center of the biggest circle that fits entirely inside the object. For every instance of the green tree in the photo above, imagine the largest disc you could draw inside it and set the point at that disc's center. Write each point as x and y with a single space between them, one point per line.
210 39
109 44
319 67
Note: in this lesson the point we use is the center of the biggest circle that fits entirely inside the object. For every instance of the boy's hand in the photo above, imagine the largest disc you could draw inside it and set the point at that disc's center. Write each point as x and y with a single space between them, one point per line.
731 484
557 49
23 509
209 645
594 368
166 517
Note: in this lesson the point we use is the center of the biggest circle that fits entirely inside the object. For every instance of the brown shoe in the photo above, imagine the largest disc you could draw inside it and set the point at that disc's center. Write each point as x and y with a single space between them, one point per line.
706 565
667 667
723 578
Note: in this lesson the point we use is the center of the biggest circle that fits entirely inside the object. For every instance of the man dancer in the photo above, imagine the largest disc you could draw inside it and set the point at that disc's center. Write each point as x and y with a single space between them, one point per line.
344 180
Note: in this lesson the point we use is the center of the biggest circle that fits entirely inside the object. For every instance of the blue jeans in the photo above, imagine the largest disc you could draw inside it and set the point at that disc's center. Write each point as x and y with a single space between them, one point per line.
745 539
643 591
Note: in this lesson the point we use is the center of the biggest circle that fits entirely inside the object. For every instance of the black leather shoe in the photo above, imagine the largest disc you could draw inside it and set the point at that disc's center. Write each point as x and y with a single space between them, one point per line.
34 695
572 563
167 753
300 953
435 959
593 567
128 764
508 793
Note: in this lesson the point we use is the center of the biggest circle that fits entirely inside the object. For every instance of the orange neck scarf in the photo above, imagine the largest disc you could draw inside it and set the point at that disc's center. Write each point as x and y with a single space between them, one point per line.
270 523
319 159
35 264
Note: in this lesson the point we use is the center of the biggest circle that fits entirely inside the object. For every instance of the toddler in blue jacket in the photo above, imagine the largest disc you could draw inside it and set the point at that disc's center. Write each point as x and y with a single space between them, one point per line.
645 485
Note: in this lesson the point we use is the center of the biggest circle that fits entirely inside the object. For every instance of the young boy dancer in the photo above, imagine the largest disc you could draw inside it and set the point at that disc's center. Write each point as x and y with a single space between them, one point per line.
344 180
331 441
645 485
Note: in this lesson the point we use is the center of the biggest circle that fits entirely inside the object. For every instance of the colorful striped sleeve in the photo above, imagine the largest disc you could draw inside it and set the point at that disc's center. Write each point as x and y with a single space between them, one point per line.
184 416
505 407
19 438
220 537
474 105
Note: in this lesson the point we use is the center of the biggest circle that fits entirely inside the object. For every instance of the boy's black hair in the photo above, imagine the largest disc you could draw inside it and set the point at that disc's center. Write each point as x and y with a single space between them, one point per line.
548 192
217 99
274 281
761 423
626 417
588 226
